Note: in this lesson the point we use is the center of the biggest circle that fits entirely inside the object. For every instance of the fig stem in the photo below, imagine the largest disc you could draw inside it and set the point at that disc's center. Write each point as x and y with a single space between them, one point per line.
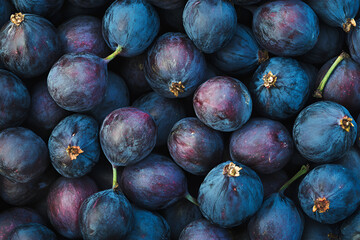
113 55
115 184
304 169
320 89
191 199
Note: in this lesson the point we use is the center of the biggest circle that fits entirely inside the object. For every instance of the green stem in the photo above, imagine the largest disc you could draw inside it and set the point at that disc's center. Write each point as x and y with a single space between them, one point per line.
192 199
113 55
115 184
320 89
302 171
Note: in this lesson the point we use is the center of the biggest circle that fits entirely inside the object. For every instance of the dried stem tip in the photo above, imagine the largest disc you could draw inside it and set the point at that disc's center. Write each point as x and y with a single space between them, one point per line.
232 170
263 56
73 151
176 88
346 123
269 80
321 205
350 22
17 18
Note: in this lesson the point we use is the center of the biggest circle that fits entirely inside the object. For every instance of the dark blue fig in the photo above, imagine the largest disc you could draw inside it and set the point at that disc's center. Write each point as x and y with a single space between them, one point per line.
279 88
264 145
64 201
77 81
315 230
329 193
14 217
324 131
174 66
74 146
39 7
32 231
272 182
336 13
242 55
83 34
131 25
230 194
165 112
351 161
89 3
14 100
324 49
6 9
223 103
44 113
29 45
127 136
148 225
180 214
168 4
353 43
202 229
23 154
154 183
350 228
286 27
278 217
343 83
116 96
210 24
194 146
106 215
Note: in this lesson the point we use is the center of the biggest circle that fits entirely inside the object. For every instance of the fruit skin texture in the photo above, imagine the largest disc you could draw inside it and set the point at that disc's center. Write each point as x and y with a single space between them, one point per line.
353 40
44 113
278 218
127 136
315 230
14 217
318 135
221 196
14 100
83 34
6 9
350 228
223 103
286 28
32 231
63 203
39 7
343 85
77 81
264 145
154 183
210 24
289 93
241 55
202 229
30 49
76 130
148 225
194 146
23 154
173 59
106 215
116 96
335 183
131 24
351 161
335 12
165 112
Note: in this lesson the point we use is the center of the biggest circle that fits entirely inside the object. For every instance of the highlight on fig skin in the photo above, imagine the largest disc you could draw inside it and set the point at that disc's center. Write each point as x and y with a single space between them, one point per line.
321 205
17 18
176 88
346 123
231 170
73 151
269 80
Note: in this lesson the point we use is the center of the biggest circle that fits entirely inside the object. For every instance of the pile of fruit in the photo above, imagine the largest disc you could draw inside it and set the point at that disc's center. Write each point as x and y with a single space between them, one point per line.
179 119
